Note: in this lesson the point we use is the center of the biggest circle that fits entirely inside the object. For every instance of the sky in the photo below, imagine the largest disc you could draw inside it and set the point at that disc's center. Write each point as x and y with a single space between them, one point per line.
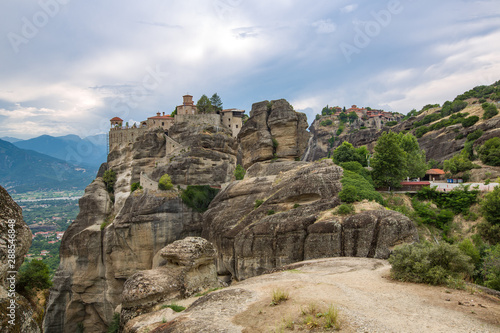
68 66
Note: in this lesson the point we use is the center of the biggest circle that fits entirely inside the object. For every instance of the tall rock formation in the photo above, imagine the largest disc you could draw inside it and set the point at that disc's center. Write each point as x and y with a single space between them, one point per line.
282 213
274 130
12 251
111 241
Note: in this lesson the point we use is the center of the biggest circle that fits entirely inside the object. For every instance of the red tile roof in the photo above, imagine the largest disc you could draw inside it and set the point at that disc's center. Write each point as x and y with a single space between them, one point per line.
415 183
161 117
435 172
116 119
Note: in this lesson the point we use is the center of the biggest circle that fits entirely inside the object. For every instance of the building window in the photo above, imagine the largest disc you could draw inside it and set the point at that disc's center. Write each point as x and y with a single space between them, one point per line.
236 126
162 123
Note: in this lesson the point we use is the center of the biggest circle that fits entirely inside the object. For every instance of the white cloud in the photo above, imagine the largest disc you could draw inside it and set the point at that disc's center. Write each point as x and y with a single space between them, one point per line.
348 8
324 26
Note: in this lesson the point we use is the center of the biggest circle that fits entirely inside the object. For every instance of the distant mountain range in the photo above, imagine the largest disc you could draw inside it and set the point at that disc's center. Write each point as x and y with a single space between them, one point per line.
27 170
90 152
10 139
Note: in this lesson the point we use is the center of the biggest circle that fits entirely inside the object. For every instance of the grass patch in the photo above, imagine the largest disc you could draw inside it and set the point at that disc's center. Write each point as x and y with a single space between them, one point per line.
175 307
278 296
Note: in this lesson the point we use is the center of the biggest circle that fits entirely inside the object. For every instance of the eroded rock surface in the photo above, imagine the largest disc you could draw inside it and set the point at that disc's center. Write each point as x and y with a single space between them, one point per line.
263 222
19 246
189 268
274 130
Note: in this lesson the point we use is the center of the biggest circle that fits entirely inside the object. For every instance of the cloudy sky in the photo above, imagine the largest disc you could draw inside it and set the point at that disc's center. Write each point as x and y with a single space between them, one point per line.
68 66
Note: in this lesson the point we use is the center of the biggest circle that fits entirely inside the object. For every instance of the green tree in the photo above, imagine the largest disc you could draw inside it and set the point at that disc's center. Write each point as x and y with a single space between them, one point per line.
490 206
165 183
34 275
204 105
459 163
352 116
490 110
343 117
364 153
239 172
174 112
389 161
216 102
346 153
489 152
491 268
416 165
109 179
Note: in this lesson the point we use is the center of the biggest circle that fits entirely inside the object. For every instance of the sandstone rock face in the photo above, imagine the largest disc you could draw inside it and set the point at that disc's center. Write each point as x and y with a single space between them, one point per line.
209 156
274 129
95 263
190 268
253 238
11 212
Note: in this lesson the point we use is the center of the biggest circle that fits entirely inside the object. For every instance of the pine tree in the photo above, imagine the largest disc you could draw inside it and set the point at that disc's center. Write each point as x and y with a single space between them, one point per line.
216 102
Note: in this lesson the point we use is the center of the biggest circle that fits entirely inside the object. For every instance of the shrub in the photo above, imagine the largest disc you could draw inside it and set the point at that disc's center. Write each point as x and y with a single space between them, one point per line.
474 135
490 206
356 188
419 132
109 179
459 200
326 122
490 110
357 168
489 152
278 296
459 163
347 153
318 117
391 123
175 307
428 263
270 212
198 197
296 206
135 186
345 209
459 136
33 275
165 183
275 143
114 327
258 203
239 172
491 268
470 121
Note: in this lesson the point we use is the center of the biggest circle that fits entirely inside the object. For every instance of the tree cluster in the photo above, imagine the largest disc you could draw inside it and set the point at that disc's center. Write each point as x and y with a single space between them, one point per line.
209 105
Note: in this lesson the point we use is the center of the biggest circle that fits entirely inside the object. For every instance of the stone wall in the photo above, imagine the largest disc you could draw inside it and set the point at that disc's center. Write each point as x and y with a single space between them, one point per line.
118 136
199 119
172 146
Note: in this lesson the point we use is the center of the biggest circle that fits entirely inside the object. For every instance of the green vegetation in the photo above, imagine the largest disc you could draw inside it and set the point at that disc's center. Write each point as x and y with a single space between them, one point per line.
471 137
441 219
175 307
416 165
206 292
341 128
492 92
352 116
114 327
239 172
278 296
216 102
258 203
275 143
459 200
391 123
327 122
470 121
489 152
271 212
345 209
491 267
109 179
199 197
490 110
389 161
32 276
459 163
347 153
165 183
429 263
135 186
204 105
490 206
357 188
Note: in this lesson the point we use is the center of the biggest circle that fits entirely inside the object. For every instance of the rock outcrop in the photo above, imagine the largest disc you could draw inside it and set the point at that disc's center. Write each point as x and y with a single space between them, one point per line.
99 252
189 269
274 130
267 221
12 251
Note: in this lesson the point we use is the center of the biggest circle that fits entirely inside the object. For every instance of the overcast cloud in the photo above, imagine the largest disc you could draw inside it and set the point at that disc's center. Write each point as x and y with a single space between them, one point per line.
69 66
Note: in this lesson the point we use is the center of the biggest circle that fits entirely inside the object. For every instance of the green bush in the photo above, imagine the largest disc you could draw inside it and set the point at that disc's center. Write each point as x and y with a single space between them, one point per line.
165 183
470 121
239 172
419 132
198 197
491 268
270 212
114 327
357 168
347 153
33 275
258 203
474 135
490 110
109 179
135 186
391 123
345 209
459 200
356 188
489 152
429 263
459 163
490 206
326 122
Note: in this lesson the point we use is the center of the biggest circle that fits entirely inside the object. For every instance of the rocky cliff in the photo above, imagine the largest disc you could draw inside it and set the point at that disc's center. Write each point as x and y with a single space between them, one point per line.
282 213
274 130
438 144
12 251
